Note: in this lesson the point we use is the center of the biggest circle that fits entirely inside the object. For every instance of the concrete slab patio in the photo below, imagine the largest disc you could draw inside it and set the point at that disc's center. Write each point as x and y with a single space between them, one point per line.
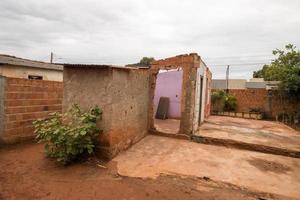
261 135
259 172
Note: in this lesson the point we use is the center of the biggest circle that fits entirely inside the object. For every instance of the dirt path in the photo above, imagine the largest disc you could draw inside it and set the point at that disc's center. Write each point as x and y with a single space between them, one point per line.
26 174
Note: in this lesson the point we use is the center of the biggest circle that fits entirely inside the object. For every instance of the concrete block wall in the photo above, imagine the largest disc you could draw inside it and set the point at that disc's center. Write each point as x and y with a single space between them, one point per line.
130 95
123 96
22 102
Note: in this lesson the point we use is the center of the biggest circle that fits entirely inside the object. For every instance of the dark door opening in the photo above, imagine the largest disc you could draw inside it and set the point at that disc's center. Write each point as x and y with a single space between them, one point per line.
200 100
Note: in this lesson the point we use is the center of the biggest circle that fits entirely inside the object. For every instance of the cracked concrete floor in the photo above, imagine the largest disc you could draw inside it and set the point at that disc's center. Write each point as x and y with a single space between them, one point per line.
251 131
255 171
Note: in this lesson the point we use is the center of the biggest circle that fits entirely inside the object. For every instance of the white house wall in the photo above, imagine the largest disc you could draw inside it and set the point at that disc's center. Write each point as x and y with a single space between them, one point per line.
23 72
201 72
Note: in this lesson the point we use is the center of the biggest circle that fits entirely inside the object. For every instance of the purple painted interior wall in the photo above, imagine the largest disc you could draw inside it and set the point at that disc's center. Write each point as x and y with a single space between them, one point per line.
169 84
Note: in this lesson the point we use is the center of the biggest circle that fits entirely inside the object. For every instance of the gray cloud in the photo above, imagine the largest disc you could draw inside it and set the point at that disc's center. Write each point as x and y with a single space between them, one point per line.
120 32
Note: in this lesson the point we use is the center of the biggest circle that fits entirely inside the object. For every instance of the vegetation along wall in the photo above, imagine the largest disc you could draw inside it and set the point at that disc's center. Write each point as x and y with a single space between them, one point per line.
260 99
121 93
23 101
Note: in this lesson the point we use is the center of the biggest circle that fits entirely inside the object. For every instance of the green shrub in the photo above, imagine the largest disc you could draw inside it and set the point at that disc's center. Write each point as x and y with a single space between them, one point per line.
218 100
230 103
70 135
223 102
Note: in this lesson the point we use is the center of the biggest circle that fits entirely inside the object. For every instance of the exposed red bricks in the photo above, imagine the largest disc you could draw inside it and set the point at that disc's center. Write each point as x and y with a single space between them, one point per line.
25 101
258 98
189 64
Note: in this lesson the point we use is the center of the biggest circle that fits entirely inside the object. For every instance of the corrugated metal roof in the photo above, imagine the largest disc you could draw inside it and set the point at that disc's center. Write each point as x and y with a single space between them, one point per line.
100 66
86 65
12 60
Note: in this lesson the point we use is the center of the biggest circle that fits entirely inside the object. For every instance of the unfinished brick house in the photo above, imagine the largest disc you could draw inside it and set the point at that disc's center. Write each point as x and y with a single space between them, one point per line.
192 93
126 96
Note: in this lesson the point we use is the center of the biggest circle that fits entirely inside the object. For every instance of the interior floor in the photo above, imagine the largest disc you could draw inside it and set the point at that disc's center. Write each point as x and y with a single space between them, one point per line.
170 126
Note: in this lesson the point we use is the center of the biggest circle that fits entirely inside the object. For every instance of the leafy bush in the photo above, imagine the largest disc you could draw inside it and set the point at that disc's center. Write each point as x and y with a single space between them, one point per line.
70 135
218 99
223 102
230 103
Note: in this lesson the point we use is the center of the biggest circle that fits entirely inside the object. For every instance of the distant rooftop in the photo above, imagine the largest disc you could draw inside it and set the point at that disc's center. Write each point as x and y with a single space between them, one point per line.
100 66
243 83
13 60
232 84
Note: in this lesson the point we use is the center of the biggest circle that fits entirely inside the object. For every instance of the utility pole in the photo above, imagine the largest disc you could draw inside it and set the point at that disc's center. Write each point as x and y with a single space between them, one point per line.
51 57
227 79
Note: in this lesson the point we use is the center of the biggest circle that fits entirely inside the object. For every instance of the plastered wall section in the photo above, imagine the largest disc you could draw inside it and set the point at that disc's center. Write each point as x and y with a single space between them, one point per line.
123 96
208 93
23 72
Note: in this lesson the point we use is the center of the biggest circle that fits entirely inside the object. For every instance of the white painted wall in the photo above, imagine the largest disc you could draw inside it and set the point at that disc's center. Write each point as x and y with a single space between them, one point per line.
23 72
201 72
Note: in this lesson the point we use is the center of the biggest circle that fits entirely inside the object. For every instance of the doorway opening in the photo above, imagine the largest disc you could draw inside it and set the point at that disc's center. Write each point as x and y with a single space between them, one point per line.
200 100
167 101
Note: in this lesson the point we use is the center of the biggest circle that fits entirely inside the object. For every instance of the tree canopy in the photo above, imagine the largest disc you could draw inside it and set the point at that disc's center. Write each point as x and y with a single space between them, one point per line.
146 61
286 69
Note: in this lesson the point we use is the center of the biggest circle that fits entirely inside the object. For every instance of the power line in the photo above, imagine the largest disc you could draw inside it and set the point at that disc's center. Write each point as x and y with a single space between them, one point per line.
238 64
241 56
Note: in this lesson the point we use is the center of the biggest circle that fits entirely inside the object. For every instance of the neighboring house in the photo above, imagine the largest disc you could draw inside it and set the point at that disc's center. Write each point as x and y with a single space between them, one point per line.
254 83
221 84
29 90
14 67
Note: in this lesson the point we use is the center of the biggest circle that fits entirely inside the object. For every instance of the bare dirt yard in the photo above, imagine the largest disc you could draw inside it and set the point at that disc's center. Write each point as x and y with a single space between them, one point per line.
163 168
25 173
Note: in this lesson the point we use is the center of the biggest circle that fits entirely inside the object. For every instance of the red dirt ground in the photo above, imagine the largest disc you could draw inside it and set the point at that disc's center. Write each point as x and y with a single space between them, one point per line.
26 174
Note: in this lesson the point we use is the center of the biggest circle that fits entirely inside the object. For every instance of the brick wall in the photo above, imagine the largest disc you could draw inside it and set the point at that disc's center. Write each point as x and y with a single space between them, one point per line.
189 64
22 102
250 98
258 98
283 105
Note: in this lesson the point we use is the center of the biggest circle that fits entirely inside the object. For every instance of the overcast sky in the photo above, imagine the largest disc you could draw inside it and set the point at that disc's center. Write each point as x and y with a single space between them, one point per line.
120 32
